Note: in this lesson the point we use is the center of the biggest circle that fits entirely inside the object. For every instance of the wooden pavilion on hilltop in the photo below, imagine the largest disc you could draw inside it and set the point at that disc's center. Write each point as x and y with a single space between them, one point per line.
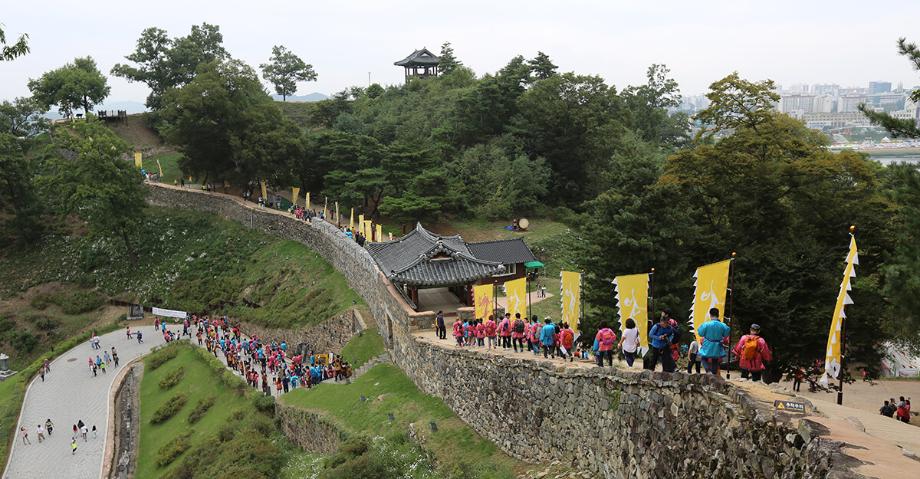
421 63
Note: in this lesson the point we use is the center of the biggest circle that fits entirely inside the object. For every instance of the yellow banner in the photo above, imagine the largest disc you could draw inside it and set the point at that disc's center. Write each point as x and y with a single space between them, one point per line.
295 192
516 297
379 232
571 298
160 167
369 230
337 212
832 360
361 225
632 303
711 290
308 200
484 300
264 190
138 159
351 221
325 208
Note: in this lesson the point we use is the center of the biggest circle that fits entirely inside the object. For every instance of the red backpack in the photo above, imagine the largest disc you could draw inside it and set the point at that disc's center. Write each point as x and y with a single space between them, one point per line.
607 338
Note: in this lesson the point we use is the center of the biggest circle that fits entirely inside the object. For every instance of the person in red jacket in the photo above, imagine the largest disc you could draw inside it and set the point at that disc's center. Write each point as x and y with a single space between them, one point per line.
605 339
504 330
752 352
458 332
567 342
490 330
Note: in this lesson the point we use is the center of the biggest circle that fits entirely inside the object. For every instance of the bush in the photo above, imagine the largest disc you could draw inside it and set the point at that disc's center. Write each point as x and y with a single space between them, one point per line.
172 378
200 408
79 302
23 341
264 404
169 409
46 324
173 449
160 357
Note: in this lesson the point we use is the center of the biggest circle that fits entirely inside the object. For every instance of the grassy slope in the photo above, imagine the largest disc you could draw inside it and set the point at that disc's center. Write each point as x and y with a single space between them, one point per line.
198 382
389 391
169 161
191 261
362 348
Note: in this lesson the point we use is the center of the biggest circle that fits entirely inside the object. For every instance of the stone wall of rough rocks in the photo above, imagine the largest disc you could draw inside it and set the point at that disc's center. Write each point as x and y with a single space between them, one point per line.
614 423
308 430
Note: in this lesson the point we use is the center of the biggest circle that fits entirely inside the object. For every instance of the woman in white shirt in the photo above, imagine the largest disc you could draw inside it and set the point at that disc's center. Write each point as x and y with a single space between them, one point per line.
694 353
629 342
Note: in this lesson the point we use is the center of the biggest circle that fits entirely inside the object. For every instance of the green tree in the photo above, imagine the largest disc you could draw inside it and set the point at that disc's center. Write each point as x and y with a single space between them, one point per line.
899 128
901 281
567 120
542 67
736 102
284 70
75 85
228 128
12 51
448 62
647 108
162 63
91 178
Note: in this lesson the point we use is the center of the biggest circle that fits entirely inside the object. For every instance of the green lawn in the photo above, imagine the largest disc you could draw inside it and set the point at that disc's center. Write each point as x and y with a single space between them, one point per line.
170 164
455 445
363 347
199 382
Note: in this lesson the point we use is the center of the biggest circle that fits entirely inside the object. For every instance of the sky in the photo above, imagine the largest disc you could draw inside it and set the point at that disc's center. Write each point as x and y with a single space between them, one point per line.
845 42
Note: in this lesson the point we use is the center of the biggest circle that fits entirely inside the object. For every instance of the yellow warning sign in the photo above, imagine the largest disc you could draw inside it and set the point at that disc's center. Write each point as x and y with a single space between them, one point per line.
789 406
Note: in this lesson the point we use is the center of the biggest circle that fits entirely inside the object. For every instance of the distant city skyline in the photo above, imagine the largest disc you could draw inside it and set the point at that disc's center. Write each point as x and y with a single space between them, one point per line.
835 43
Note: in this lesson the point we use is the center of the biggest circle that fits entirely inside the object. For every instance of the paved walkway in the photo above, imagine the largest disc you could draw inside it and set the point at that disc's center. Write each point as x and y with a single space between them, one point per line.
70 393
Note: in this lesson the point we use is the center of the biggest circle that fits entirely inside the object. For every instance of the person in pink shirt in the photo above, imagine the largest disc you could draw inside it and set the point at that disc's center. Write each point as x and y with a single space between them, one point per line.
504 330
480 332
458 332
752 352
490 330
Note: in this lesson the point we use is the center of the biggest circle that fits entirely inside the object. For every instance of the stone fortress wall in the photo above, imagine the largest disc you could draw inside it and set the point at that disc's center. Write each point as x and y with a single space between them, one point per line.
614 423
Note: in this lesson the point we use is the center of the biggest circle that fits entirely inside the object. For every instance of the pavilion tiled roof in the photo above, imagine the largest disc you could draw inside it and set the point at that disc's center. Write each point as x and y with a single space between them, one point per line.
420 58
423 259
508 251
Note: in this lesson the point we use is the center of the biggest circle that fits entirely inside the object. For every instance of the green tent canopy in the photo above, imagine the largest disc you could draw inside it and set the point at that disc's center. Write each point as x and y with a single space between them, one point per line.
533 265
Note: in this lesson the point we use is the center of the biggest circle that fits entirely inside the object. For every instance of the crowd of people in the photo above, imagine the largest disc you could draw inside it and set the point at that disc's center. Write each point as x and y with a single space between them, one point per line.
899 410
707 350
265 365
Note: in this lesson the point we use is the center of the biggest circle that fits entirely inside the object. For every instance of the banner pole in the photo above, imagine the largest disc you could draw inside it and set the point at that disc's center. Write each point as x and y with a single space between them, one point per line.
731 314
650 316
843 344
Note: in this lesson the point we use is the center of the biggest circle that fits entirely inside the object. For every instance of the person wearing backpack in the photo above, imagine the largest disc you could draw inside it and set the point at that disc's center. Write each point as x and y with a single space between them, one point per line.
752 352
458 332
567 342
517 332
546 338
504 331
490 330
606 340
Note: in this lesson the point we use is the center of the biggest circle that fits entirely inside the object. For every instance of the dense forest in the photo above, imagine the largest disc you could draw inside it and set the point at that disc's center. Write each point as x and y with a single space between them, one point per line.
616 164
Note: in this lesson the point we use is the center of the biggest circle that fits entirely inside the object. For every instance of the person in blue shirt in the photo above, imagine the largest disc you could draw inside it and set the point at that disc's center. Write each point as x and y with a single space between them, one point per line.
661 336
713 332
547 334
